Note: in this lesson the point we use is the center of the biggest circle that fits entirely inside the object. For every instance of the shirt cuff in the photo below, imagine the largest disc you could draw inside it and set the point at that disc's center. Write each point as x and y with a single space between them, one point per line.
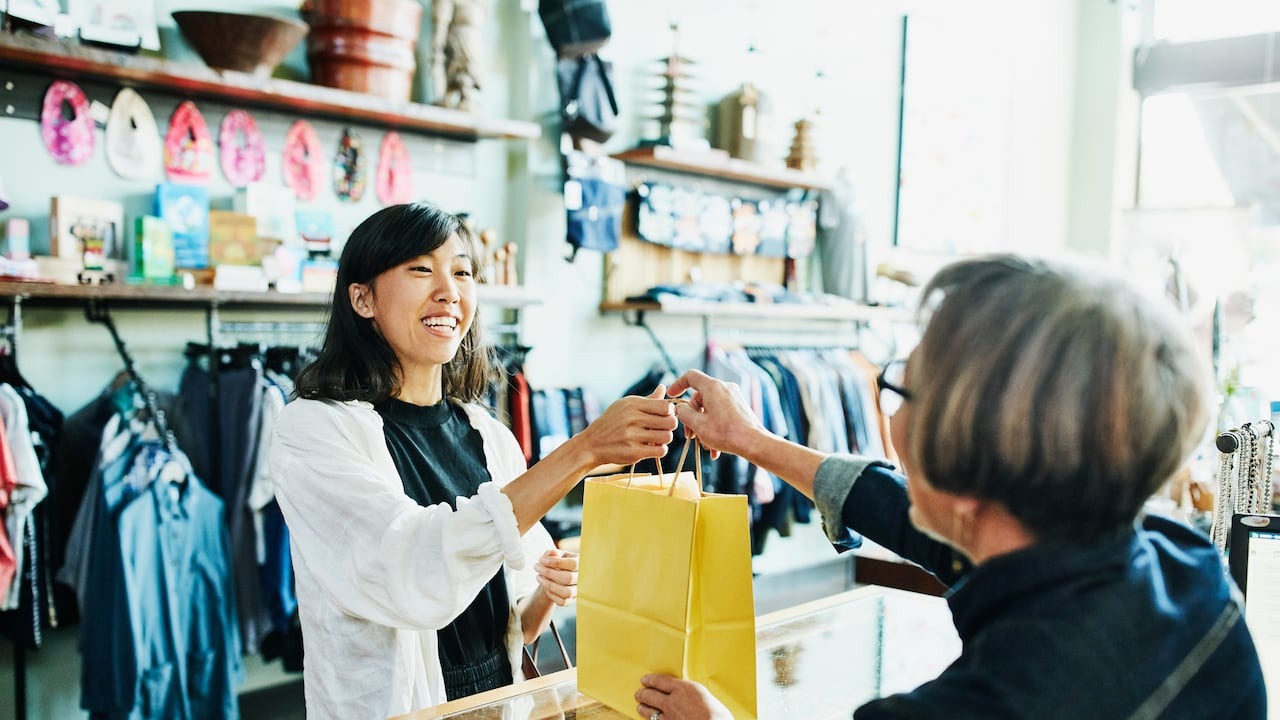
831 487
498 505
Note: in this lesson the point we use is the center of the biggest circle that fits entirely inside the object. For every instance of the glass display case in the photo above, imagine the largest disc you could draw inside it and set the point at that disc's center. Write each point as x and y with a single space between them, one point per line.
818 660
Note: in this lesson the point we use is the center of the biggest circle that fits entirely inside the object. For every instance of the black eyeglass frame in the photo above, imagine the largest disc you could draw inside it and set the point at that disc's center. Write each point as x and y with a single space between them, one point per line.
884 383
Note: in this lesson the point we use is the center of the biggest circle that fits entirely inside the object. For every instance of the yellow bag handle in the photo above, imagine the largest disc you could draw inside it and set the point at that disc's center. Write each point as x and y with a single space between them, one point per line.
697 468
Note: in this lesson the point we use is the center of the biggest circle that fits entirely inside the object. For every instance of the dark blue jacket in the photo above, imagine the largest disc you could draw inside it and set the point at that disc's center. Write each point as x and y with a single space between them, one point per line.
1146 625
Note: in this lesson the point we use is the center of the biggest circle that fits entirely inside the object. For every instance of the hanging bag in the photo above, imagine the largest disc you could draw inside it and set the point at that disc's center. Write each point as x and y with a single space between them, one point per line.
575 27
589 108
664 586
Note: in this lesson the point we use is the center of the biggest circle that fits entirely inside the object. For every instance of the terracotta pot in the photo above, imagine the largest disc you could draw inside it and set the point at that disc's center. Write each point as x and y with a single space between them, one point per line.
362 61
381 81
397 18
360 46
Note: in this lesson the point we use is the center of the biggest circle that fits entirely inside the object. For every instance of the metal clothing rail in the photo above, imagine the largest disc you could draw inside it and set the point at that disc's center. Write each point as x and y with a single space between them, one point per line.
97 312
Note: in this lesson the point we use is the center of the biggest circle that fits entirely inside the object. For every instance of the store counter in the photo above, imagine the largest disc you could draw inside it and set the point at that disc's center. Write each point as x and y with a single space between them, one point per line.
819 660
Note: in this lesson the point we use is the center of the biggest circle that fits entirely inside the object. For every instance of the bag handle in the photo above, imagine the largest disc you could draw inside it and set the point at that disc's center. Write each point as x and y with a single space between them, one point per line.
631 473
530 663
604 80
697 467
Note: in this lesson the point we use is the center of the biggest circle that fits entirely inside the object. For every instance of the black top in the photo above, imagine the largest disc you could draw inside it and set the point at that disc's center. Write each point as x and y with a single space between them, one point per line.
440 458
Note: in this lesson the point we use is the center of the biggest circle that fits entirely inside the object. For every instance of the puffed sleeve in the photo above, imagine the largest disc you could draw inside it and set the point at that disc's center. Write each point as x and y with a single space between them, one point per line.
507 462
374 551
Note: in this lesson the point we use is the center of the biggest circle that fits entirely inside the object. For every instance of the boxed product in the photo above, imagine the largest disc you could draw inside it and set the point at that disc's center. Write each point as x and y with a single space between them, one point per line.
153 243
273 207
233 239
186 209
85 225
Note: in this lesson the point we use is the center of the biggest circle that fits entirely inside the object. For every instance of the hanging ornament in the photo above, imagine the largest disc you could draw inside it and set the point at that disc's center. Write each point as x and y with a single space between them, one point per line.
349 172
69 141
395 172
188 149
133 140
302 161
241 149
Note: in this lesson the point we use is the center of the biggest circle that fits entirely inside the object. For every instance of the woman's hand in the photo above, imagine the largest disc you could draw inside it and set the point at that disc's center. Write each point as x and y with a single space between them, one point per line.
631 429
717 414
557 572
666 698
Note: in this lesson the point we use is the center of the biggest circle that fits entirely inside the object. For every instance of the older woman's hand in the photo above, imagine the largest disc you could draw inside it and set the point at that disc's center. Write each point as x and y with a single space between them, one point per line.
717 413
557 572
666 698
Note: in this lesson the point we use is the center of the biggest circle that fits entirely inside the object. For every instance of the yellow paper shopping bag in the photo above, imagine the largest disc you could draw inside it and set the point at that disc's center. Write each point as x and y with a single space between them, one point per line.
664 585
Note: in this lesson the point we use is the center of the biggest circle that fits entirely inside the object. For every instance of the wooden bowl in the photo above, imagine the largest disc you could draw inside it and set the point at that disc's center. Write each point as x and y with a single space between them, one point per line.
238 41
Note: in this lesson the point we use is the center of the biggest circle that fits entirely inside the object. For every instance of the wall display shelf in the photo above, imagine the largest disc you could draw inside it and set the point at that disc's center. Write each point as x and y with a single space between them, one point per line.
157 295
726 168
77 61
850 312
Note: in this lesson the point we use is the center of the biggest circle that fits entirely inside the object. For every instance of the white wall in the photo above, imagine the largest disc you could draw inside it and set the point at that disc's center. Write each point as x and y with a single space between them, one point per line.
514 184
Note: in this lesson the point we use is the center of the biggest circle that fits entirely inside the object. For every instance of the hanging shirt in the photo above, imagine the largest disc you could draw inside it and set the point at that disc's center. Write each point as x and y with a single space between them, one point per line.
378 574
30 488
441 458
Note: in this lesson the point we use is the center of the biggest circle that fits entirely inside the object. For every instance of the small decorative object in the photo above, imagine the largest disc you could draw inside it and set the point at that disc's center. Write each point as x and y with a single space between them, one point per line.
489 245
681 116
71 219
274 208
774 220
133 140
395 172
349 172
302 161
746 227
17 238
802 228
238 41
316 229
510 276
120 23
154 249
319 275
70 142
745 125
233 239
188 148
242 149
457 48
803 156
186 209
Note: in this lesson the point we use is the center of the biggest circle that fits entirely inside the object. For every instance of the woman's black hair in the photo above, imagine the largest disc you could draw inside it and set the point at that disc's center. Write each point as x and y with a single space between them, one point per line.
355 361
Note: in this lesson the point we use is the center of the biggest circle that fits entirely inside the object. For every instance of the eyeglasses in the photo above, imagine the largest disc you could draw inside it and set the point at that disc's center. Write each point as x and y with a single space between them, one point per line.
892 394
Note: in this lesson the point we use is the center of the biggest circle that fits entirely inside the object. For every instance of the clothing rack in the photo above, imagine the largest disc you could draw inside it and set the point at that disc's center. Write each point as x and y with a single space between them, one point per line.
97 312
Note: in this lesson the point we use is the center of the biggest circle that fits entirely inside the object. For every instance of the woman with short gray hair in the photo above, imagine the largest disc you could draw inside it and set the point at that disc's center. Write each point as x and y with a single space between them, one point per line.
1044 404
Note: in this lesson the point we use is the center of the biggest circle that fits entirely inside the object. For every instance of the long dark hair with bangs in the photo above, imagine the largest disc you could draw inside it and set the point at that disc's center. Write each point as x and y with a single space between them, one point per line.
355 362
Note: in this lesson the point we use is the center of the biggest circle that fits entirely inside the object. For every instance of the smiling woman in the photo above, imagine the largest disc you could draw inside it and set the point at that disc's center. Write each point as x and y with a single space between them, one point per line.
412 517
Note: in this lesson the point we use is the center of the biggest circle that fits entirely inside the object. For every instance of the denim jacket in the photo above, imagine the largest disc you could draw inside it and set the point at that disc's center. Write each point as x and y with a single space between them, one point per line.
1145 625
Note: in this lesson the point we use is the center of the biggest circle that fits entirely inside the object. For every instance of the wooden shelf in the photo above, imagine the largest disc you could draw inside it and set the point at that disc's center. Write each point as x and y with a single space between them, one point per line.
77 61
712 164
157 295
850 312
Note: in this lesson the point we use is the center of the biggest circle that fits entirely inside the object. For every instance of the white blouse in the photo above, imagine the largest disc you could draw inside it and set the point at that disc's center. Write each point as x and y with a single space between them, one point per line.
377 574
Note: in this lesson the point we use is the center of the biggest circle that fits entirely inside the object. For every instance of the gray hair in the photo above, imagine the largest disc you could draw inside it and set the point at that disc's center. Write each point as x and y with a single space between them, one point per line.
1060 391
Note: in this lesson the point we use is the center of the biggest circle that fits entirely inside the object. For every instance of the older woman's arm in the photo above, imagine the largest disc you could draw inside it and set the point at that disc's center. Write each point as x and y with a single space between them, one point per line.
868 497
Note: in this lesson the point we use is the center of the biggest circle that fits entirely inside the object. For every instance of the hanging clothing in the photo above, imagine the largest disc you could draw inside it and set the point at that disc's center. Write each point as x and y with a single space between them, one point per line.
29 489
8 481
378 575
159 638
